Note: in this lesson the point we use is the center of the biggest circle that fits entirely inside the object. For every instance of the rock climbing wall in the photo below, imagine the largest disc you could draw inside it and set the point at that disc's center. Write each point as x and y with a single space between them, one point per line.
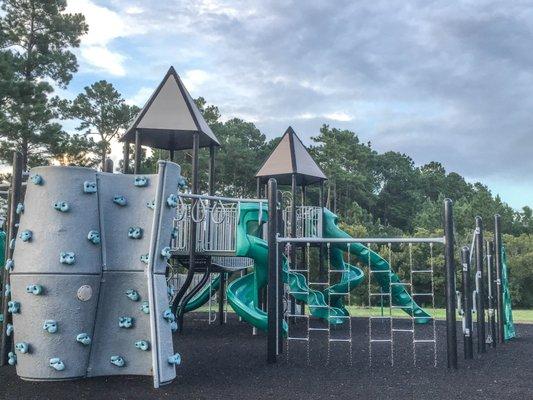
89 294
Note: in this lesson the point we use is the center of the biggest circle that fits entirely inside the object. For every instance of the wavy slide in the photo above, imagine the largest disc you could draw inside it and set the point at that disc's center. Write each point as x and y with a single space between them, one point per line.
243 292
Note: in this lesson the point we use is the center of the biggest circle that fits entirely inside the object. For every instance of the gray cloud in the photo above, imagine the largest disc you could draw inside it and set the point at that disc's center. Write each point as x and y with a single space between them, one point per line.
446 81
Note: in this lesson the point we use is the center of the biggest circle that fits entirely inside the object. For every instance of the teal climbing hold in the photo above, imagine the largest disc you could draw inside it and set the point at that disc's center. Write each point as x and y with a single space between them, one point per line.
151 204
22 347
9 265
93 237
25 235
57 364
166 253
132 294
145 307
61 206
89 187
174 326
135 232
12 244
13 307
84 339
182 182
34 289
20 208
11 358
67 257
172 200
7 290
168 315
9 329
50 326
125 322
140 181
175 359
143 345
120 200
36 179
145 258
118 361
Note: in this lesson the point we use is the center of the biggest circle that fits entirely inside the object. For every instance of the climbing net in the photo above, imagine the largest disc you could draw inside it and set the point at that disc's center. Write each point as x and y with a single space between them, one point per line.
396 286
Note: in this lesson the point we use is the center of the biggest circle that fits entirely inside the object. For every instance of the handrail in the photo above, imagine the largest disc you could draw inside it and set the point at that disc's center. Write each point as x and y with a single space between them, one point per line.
221 198
361 240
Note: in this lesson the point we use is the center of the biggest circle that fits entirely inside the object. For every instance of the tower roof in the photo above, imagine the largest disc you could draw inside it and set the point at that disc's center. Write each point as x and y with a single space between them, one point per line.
291 157
170 117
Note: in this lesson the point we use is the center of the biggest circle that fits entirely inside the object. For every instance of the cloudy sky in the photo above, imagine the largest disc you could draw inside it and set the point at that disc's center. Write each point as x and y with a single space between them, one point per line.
446 81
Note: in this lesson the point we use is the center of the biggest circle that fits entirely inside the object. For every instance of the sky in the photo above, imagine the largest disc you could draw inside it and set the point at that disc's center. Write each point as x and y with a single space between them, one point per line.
439 81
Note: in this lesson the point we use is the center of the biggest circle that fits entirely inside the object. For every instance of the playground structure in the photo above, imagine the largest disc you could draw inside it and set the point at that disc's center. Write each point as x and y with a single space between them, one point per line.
74 306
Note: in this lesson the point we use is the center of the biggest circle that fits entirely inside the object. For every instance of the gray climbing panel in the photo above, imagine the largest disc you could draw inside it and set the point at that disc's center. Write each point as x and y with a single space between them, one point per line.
88 285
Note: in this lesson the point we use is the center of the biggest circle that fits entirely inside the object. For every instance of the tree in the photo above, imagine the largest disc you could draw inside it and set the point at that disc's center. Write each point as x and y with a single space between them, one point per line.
102 112
36 37
76 150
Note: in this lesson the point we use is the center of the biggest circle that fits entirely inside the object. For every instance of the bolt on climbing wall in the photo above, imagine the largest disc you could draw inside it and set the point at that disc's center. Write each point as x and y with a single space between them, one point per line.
89 295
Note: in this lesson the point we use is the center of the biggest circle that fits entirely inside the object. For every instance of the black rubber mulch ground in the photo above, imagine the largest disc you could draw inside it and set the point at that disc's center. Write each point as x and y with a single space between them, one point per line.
227 362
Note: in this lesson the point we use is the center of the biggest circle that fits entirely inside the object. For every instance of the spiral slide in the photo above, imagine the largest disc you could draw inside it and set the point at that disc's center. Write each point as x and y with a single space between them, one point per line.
243 292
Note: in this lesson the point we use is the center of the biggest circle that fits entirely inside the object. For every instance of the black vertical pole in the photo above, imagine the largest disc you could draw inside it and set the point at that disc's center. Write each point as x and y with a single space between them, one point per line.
321 234
480 287
451 332
171 155
211 170
279 274
498 267
258 188
293 235
138 150
126 157
491 279
109 165
467 304
13 218
272 303
304 254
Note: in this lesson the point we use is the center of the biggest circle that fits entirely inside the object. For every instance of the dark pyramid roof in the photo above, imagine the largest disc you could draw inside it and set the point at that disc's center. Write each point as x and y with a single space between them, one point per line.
291 157
170 117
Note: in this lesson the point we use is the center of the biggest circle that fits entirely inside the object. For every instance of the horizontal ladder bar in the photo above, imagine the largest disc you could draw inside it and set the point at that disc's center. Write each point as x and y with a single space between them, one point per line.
359 240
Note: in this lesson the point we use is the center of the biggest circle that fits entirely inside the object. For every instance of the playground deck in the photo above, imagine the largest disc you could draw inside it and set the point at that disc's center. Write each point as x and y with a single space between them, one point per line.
227 362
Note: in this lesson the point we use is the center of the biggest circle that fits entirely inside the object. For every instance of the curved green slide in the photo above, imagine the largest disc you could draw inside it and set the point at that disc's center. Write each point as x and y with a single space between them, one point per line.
203 296
400 296
243 293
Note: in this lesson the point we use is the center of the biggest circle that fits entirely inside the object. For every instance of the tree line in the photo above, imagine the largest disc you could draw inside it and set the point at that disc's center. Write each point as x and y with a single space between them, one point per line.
375 194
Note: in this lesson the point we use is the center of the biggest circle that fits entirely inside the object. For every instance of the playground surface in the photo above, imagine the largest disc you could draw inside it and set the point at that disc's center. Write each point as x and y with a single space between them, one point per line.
227 362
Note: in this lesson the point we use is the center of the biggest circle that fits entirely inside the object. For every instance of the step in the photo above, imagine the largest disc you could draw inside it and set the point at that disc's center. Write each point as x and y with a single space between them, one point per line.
302 339
340 340
424 341
318 329
402 330
380 340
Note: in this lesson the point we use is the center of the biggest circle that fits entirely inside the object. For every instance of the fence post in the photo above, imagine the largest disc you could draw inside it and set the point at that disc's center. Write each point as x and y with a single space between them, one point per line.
498 267
451 332
491 280
467 304
279 272
13 218
480 288
272 303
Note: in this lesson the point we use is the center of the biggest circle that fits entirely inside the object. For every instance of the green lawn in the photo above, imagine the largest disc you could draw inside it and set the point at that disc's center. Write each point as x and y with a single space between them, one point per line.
519 316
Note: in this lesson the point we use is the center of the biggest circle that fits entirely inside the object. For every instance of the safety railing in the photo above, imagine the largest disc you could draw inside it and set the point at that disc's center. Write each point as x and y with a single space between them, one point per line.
216 218
308 221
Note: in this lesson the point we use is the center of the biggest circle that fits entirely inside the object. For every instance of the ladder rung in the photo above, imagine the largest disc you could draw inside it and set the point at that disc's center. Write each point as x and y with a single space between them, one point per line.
337 270
421 294
422 271
380 272
401 283
424 341
306 293
379 294
339 294
298 338
402 330
319 329
380 340
340 340
319 283
299 270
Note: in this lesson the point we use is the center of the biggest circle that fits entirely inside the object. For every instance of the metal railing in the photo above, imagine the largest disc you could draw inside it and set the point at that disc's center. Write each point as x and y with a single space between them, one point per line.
308 221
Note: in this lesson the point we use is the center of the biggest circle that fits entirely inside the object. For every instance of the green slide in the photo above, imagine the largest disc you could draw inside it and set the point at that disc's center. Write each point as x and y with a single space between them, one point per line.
400 297
243 293
508 325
